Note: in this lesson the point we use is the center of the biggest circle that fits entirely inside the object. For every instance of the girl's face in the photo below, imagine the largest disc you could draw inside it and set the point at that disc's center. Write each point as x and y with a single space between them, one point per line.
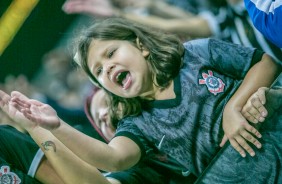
99 112
120 67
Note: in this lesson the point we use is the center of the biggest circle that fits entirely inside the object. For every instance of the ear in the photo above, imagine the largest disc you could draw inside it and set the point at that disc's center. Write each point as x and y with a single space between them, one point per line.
144 50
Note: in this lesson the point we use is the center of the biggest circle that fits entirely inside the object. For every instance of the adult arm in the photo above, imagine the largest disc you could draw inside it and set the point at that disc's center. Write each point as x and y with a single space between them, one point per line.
106 8
163 9
195 26
186 24
266 16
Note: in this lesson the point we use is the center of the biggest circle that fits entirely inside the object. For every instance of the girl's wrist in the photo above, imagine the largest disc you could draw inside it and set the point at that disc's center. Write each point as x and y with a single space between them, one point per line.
33 130
233 106
60 126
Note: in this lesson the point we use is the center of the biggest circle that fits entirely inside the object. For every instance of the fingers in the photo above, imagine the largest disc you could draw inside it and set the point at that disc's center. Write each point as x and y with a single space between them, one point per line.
260 101
4 102
259 111
92 7
77 7
250 138
27 113
240 141
19 95
22 100
224 140
4 98
254 131
36 102
254 111
237 147
240 144
262 93
250 117
18 103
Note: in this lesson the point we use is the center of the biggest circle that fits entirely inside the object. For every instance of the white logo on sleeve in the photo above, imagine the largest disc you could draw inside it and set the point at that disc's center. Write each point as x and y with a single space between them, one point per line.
7 177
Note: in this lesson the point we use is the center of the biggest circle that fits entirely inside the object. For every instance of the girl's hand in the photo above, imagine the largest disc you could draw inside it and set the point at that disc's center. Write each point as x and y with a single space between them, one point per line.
17 119
36 112
254 110
239 132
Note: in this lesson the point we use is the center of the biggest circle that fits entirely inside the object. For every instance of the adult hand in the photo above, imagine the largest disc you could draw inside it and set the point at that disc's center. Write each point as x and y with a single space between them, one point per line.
101 8
254 110
263 103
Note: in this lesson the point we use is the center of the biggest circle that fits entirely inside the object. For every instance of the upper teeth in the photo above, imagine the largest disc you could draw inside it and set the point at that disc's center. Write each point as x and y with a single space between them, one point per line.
118 76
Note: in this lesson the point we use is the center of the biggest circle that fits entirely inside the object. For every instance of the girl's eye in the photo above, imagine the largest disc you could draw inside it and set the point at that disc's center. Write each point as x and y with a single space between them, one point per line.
111 53
99 71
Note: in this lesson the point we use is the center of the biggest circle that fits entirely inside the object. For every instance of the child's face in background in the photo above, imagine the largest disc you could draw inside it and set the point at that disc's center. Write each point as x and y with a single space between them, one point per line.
99 112
120 67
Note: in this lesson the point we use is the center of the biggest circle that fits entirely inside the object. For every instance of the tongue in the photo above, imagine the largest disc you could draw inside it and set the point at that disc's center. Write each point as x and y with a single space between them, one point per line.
125 80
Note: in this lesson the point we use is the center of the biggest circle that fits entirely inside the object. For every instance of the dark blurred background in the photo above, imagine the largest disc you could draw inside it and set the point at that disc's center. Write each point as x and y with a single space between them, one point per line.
41 32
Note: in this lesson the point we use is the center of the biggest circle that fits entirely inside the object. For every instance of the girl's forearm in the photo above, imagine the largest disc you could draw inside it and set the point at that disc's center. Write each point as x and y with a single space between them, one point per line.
97 153
91 150
262 74
68 166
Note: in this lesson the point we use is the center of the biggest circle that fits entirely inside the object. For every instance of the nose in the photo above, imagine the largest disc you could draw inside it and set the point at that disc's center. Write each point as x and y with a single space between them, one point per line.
109 68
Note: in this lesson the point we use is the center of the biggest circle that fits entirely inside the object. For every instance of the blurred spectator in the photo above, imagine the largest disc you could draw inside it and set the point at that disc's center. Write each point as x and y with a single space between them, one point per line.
157 14
266 16
60 80
58 83
20 83
238 28
227 20
198 6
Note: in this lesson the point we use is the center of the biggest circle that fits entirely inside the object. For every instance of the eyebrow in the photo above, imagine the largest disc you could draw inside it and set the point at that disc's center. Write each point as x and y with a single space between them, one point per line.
103 54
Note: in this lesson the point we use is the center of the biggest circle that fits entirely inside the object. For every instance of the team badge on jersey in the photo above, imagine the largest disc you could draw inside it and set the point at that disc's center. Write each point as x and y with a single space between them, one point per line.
7 177
214 84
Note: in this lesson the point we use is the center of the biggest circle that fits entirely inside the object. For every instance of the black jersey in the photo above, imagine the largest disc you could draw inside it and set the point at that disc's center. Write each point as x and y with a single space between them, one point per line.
188 128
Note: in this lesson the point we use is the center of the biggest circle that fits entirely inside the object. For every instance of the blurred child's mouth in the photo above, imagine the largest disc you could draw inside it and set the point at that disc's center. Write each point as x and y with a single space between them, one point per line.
123 79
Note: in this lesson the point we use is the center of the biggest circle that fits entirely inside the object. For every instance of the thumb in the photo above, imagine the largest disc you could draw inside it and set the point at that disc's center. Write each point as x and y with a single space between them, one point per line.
262 92
224 140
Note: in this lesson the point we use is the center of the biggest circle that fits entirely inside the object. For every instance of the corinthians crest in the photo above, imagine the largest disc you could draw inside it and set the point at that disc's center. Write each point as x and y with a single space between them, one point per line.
7 177
214 84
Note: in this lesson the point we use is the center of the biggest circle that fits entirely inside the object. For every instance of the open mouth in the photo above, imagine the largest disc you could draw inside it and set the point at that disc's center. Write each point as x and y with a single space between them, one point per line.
123 79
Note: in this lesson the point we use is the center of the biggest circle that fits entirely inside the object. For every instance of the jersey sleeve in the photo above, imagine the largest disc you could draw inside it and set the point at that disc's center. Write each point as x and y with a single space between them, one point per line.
127 128
139 174
227 58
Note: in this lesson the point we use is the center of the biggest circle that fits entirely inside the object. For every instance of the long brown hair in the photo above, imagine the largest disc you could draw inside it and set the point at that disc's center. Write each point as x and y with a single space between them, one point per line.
166 52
